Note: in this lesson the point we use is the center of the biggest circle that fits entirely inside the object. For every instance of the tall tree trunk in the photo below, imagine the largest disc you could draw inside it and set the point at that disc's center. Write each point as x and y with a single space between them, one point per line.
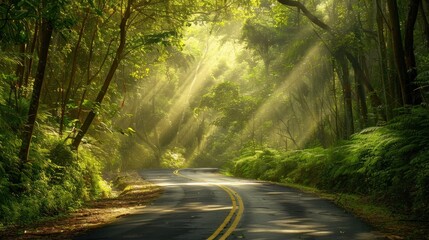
31 50
118 57
361 99
347 93
398 51
425 23
15 87
355 64
393 78
385 81
45 40
375 100
21 67
334 91
410 58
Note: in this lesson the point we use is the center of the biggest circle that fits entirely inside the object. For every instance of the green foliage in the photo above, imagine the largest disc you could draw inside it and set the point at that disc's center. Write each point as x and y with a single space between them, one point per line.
388 163
61 155
227 100
13 15
149 41
55 181
173 159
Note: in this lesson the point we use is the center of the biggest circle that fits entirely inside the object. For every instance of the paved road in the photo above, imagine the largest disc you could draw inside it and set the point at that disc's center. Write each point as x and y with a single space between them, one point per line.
201 204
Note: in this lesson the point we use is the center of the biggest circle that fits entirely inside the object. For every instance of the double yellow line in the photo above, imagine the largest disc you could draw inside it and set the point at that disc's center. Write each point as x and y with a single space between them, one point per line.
231 221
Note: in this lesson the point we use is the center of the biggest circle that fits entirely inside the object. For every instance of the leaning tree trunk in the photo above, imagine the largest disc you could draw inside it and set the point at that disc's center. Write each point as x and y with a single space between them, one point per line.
118 56
72 74
45 35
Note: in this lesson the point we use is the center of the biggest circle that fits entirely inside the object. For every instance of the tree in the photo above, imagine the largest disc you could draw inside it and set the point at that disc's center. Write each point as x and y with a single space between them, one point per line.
340 53
235 109
410 58
46 30
262 39
154 22
73 70
399 52
116 61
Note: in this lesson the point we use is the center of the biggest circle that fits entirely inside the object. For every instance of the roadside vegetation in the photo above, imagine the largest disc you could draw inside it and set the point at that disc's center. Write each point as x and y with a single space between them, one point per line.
383 167
130 193
56 181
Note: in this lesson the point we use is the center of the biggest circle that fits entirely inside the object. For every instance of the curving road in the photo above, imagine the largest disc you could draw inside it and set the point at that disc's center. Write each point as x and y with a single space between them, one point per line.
202 204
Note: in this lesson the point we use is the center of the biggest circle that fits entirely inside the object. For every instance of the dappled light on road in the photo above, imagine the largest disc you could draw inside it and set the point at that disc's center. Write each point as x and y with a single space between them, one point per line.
201 204
205 183
295 229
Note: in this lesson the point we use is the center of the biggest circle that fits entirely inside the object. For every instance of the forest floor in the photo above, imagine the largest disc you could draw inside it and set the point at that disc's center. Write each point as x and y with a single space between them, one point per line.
133 193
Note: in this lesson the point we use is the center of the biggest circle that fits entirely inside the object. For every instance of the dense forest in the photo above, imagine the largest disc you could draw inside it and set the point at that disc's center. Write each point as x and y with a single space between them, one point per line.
326 93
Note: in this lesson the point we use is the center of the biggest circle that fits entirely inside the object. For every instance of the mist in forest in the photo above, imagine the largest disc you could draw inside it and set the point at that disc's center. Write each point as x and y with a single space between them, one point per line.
216 97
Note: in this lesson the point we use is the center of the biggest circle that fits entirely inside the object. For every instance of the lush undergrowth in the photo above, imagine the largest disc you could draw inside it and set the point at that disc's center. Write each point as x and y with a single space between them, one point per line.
390 164
54 181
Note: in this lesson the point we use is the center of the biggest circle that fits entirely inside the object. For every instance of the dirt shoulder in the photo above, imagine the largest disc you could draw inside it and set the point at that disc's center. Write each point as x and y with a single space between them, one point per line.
134 193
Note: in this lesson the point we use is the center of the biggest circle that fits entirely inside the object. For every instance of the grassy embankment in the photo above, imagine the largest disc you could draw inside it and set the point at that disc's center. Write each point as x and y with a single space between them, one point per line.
381 174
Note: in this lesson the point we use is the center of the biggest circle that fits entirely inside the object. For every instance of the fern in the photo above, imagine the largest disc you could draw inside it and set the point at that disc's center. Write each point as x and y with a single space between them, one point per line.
369 130
9 58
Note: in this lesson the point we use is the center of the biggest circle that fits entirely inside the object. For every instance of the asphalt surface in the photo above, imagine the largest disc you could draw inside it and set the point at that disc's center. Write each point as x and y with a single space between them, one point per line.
202 204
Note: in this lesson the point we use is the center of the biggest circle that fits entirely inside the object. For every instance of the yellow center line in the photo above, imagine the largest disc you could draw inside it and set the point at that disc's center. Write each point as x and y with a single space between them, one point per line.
228 218
234 199
237 217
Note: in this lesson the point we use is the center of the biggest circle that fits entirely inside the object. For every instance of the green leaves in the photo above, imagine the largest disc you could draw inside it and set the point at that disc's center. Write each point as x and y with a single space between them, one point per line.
234 108
151 41
221 96
13 20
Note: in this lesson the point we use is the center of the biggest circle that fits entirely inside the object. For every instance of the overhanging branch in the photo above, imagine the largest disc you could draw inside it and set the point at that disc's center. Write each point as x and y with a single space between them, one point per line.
307 13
